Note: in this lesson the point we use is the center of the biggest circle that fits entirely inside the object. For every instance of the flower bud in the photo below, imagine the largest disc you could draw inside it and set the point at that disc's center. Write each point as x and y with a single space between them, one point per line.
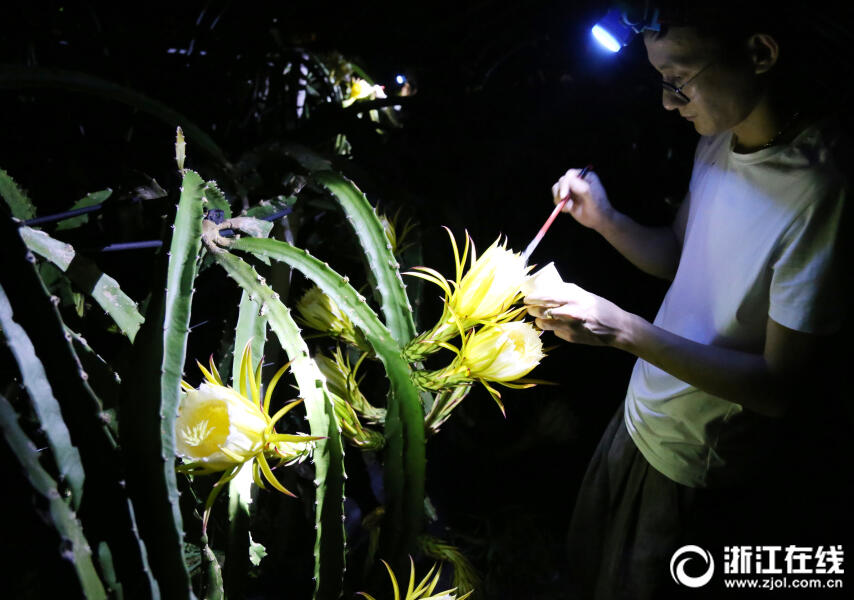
320 312
341 381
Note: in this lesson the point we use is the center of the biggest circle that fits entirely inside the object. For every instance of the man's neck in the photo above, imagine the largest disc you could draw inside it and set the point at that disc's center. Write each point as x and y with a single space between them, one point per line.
761 127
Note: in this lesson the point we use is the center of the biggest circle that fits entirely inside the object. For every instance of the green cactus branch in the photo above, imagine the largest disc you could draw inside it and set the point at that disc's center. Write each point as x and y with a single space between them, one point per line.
150 395
103 289
212 586
102 377
216 199
82 411
21 206
46 405
328 455
331 283
251 325
404 426
384 267
383 264
59 253
91 199
180 279
85 274
404 464
62 517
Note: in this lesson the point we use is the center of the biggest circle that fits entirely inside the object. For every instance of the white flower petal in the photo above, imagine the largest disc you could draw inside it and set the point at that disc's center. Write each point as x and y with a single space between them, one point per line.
213 417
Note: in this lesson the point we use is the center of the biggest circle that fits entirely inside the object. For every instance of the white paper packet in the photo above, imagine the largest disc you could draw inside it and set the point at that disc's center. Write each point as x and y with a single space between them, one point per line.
542 283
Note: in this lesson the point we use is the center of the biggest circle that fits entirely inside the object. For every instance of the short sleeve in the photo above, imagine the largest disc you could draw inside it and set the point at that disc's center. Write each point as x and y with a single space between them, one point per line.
805 293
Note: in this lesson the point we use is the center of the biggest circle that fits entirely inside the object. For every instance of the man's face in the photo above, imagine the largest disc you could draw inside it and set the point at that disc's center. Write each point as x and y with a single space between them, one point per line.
720 97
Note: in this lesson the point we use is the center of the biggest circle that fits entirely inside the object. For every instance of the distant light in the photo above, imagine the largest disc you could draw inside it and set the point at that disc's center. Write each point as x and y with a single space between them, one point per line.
608 41
400 79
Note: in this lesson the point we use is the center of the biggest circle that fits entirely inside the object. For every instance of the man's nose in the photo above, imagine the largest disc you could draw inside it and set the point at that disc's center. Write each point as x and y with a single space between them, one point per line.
670 101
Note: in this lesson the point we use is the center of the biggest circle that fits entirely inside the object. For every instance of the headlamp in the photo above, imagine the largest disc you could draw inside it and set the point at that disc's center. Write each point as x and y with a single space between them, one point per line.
617 28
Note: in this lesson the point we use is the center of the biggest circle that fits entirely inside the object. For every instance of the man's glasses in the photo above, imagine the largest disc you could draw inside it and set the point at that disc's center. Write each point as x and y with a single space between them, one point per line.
677 90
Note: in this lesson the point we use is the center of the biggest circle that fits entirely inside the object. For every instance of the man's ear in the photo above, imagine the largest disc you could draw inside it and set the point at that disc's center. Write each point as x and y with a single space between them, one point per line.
763 51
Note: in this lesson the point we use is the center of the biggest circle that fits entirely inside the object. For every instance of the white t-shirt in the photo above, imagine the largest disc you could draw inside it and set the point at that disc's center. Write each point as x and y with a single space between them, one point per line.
759 241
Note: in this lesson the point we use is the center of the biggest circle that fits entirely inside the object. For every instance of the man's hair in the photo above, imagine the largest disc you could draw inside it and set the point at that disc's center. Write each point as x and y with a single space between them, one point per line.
815 38
729 22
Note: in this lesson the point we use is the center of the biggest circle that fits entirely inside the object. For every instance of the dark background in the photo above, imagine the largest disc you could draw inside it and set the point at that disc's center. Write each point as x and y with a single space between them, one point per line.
509 96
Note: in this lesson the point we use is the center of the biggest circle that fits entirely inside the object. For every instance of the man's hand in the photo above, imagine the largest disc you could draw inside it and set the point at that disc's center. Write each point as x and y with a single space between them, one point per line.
767 383
578 316
589 204
654 250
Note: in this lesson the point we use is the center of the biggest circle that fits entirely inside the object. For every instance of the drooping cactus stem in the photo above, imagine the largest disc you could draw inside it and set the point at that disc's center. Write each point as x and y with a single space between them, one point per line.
328 455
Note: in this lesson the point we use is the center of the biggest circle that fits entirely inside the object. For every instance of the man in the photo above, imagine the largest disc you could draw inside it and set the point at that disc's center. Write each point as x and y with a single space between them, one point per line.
694 454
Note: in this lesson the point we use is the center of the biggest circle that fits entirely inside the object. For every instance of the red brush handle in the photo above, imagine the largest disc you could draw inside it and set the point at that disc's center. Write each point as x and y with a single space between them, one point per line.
537 238
551 218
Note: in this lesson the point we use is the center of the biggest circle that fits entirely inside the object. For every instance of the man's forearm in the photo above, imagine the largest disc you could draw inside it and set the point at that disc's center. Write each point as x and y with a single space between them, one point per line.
736 376
654 250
